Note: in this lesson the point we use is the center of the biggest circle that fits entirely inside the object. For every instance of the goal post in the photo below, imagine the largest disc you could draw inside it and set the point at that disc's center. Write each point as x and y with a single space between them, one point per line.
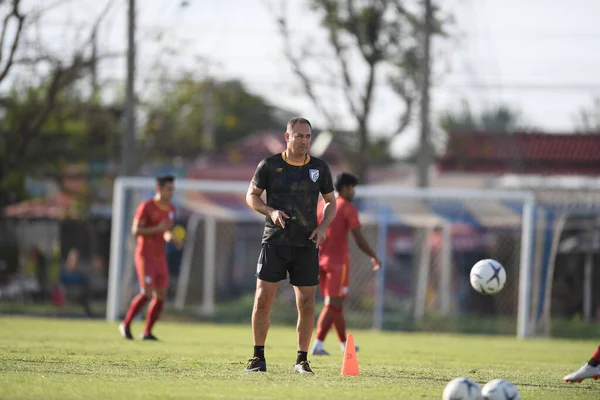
221 243
121 222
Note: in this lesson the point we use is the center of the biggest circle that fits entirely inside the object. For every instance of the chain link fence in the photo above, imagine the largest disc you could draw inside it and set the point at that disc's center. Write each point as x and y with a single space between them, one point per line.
424 285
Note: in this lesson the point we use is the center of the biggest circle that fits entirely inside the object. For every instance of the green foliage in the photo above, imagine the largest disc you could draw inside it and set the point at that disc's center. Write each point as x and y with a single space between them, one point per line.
74 130
176 120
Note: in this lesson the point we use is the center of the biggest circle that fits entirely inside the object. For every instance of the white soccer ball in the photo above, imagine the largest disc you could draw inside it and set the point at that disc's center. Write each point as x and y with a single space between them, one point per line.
462 389
499 389
488 276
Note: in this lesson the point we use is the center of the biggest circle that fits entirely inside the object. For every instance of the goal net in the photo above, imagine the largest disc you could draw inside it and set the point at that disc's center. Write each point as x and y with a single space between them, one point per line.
427 239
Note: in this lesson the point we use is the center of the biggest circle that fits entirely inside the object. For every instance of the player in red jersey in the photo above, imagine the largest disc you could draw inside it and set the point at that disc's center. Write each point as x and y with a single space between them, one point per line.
152 226
334 262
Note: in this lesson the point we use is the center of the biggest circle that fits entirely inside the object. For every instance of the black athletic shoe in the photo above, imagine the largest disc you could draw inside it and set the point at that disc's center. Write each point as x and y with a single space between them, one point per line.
149 336
256 365
125 332
303 368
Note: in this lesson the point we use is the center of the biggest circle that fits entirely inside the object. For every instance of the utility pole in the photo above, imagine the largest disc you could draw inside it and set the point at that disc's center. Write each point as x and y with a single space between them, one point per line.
128 153
94 67
424 157
209 114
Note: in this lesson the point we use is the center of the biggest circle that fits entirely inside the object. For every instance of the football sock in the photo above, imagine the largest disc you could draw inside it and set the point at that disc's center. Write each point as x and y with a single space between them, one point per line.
259 351
135 307
340 325
302 356
318 344
595 360
326 320
154 310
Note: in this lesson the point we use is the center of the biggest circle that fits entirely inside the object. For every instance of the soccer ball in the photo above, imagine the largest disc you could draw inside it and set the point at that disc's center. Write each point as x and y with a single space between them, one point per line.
488 276
499 389
462 389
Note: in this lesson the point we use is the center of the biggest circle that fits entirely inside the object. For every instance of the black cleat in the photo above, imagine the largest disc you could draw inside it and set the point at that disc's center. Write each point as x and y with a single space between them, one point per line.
303 368
256 365
149 336
125 332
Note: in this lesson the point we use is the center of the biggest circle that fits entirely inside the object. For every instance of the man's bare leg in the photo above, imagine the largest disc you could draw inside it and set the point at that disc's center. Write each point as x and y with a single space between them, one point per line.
261 321
305 301
261 313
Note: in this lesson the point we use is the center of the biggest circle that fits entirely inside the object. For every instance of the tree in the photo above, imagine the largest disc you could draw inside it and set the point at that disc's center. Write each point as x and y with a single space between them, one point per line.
497 119
25 138
177 121
383 36
501 119
587 119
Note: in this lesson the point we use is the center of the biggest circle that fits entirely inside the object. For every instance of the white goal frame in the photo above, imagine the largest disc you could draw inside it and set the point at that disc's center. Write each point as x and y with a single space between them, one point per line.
119 234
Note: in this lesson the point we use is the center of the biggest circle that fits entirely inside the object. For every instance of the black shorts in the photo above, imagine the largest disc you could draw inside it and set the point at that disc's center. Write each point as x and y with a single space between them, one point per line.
301 262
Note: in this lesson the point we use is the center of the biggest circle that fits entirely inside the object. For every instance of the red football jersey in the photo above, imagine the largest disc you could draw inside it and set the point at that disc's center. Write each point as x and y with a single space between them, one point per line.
150 214
334 250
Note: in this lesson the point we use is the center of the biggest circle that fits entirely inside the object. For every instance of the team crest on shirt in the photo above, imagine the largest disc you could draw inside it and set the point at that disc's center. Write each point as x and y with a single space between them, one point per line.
313 174
171 215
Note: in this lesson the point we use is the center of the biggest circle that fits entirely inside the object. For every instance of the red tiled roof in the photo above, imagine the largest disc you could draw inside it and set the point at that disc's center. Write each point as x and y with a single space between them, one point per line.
58 207
522 153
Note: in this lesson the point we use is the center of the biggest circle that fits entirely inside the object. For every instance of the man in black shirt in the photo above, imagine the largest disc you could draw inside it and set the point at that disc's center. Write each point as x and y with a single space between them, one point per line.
291 238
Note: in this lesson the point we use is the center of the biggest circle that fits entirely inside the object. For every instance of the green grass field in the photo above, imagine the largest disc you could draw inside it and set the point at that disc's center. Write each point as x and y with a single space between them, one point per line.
78 359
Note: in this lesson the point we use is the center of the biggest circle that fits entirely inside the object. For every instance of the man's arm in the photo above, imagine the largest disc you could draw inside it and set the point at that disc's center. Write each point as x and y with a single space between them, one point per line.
328 209
138 228
255 201
362 244
319 235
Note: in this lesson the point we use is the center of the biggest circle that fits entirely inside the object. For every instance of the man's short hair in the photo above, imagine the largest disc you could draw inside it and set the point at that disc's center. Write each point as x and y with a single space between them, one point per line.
298 120
345 179
162 180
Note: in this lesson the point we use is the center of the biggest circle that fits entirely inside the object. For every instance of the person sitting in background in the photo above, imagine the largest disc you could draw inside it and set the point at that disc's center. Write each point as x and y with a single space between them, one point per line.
75 282
39 266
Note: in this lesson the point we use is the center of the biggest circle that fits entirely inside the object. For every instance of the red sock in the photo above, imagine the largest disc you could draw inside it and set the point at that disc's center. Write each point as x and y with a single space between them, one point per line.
154 311
135 307
596 355
326 319
340 325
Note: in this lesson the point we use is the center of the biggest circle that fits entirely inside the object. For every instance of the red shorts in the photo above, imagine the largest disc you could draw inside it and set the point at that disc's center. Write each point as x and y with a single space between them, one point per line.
152 272
334 280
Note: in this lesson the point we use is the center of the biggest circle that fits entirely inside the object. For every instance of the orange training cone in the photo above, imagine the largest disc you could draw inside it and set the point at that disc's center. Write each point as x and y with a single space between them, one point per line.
350 362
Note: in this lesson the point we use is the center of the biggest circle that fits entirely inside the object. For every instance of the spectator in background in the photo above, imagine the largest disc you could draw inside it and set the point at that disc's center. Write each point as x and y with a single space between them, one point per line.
75 282
98 278
39 266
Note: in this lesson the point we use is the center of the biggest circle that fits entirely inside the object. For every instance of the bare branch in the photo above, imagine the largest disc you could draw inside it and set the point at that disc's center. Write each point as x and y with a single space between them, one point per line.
406 116
20 18
99 20
62 77
297 68
348 85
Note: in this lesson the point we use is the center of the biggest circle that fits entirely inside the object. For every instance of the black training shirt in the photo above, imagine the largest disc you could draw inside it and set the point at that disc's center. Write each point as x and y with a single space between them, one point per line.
294 189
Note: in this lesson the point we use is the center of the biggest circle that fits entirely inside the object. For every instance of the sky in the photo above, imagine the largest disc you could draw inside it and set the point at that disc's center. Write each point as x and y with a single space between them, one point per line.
537 56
